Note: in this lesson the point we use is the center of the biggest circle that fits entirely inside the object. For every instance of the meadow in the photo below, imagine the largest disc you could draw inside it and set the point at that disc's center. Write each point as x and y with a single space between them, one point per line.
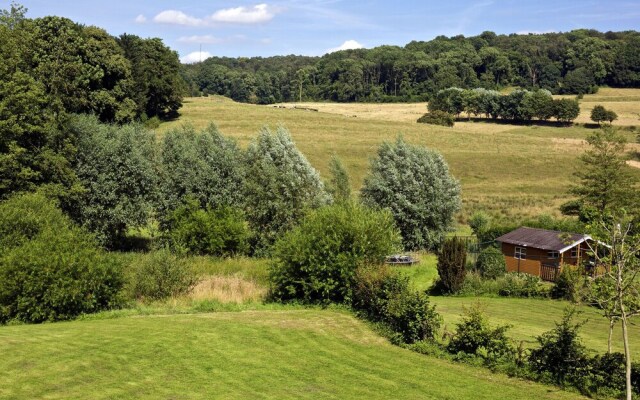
511 171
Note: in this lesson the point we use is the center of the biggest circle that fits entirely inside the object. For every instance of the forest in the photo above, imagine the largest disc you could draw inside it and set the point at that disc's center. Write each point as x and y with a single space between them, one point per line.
575 62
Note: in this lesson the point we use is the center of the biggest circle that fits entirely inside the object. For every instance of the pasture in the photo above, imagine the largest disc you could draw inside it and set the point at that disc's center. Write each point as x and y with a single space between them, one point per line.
511 171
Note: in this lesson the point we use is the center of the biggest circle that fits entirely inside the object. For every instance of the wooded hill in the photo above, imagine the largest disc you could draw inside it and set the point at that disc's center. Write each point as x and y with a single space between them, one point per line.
564 63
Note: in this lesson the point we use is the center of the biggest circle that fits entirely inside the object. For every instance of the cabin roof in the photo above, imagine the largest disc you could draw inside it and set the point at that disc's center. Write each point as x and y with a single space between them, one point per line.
543 239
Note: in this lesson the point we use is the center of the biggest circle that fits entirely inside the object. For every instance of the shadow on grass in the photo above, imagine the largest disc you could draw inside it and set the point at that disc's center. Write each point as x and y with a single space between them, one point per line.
517 123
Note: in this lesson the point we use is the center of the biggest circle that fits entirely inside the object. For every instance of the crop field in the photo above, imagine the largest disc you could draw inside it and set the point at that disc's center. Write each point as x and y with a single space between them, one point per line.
307 354
511 171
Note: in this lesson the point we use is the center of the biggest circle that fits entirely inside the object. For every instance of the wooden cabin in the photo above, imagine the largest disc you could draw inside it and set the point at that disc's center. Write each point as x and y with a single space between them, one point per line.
542 252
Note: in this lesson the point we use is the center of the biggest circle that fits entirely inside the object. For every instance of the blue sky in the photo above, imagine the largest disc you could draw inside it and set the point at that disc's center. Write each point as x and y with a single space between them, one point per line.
315 27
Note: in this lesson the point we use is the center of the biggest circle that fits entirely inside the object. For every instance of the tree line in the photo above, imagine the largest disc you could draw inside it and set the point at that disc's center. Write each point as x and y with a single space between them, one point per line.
575 62
519 105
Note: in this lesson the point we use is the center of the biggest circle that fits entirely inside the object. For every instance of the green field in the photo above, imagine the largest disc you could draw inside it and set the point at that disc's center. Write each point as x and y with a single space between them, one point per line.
279 354
509 170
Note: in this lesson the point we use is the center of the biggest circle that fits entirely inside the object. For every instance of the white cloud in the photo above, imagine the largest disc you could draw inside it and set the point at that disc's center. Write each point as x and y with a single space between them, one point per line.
348 45
244 15
177 18
195 57
207 39
141 19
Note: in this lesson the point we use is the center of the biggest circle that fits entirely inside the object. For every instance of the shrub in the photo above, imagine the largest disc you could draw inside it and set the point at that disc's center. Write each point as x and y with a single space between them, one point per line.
561 356
387 297
51 270
475 285
452 259
491 263
414 183
281 187
515 284
159 275
218 232
316 261
568 284
475 336
437 117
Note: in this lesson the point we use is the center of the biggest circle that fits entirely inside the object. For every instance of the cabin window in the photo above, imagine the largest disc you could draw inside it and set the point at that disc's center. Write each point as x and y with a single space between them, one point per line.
521 253
574 252
553 254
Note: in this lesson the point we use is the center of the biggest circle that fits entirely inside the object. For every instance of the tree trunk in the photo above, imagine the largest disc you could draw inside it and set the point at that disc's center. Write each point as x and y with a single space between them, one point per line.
611 324
627 355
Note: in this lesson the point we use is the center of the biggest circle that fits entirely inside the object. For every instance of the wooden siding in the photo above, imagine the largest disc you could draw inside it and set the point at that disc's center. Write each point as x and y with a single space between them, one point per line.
536 258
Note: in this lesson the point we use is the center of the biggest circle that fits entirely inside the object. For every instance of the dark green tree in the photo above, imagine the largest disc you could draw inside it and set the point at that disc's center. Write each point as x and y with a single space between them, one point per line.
452 259
339 186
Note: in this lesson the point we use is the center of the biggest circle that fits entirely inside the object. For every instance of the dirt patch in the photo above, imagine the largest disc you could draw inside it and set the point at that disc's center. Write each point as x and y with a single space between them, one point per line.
634 164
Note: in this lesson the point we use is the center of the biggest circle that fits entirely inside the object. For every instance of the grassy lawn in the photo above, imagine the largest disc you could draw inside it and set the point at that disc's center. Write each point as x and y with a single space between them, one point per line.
260 354
513 171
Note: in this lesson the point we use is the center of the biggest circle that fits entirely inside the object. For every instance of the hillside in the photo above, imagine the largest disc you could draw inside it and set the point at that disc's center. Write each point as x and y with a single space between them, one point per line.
509 170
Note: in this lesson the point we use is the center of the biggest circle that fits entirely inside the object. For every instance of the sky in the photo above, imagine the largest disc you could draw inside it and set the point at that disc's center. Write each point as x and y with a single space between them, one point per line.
197 29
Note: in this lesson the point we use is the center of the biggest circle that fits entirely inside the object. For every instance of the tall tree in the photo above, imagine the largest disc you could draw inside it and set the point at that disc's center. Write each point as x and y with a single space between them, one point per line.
339 185
415 184
281 186
606 186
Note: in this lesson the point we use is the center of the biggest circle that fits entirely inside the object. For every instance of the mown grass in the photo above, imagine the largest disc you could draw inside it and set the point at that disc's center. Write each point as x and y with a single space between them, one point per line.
306 354
512 171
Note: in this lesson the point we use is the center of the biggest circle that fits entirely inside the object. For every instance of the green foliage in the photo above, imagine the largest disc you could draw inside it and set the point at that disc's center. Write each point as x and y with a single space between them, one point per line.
569 284
218 232
115 166
204 166
475 336
561 356
517 284
491 263
414 183
606 186
157 84
316 262
159 275
572 62
519 105
339 186
51 270
452 259
281 186
387 297
437 117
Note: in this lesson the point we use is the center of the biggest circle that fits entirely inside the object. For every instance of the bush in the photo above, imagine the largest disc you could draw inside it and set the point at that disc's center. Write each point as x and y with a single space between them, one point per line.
452 259
561 356
316 262
515 284
51 270
159 275
475 336
568 284
387 297
491 263
218 232
438 118
414 183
